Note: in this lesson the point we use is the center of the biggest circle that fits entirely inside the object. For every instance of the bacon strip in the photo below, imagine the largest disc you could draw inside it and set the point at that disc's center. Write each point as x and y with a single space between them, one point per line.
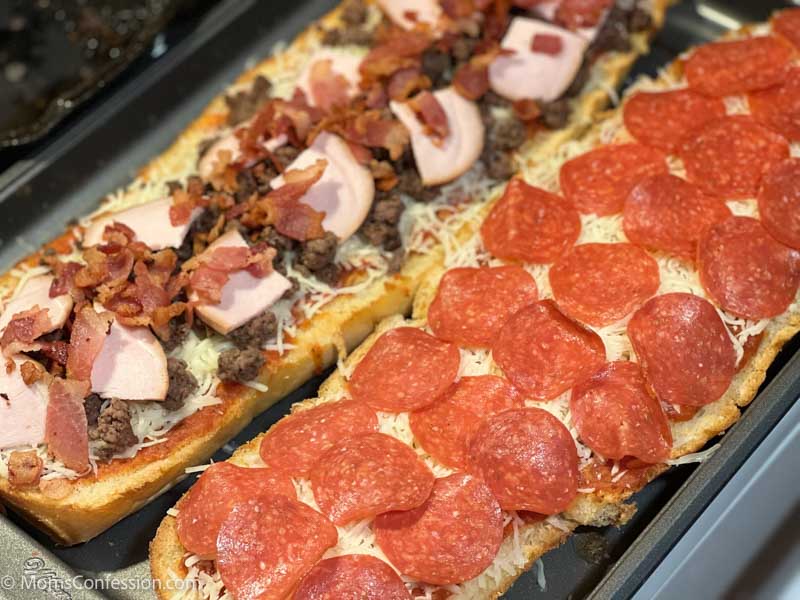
431 114
184 201
370 128
405 82
64 282
328 87
471 79
89 331
293 118
397 49
23 329
66 432
282 208
212 272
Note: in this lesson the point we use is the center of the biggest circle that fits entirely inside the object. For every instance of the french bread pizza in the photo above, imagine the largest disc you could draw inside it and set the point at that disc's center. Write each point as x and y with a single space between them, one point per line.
615 310
305 204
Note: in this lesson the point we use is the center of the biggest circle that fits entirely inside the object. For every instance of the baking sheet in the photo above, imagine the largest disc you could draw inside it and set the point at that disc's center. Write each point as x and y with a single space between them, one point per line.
102 153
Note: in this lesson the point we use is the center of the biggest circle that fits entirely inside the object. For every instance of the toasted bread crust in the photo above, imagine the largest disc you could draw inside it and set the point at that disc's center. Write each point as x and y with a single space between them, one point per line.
122 486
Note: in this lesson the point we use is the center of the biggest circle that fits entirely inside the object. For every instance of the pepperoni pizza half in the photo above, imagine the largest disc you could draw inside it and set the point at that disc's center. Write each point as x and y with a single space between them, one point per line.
613 314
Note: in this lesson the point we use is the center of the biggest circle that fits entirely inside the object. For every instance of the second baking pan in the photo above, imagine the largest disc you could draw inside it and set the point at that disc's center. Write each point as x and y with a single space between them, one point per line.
103 152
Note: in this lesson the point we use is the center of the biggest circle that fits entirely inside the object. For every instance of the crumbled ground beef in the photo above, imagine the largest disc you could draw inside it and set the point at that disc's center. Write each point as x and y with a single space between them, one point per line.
613 34
463 48
256 332
286 155
182 384
347 36
246 185
396 261
178 330
507 133
499 163
555 114
436 65
201 224
240 365
317 254
278 241
113 430
409 183
354 12
91 405
380 228
490 99
639 19
329 274
243 105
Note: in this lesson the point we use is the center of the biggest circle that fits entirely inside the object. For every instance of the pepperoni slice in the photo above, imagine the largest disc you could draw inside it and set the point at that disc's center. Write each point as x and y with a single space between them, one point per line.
268 543
683 348
352 577
369 474
679 412
729 156
579 14
296 442
667 213
528 459
745 270
599 284
737 67
451 538
778 107
779 202
662 119
600 180
616 416
530 225
787 24
209 501
405 370
472 304
445 428
544 353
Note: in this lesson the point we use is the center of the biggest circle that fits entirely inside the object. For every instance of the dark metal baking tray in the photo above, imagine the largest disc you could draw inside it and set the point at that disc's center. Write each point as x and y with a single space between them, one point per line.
102 152
57 54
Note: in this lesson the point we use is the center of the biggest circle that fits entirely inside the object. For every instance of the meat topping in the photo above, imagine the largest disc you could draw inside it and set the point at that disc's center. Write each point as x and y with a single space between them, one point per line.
380 228
316 255
182 383
244 104
240 365
256 332
113 431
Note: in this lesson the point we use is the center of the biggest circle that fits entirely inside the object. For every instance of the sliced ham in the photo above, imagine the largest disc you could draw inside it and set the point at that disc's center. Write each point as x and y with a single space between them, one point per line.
333 83
22 408
150 222
442 160
36 292
243 295
207 165
131 365
408 14
346 189
66 431
524 74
